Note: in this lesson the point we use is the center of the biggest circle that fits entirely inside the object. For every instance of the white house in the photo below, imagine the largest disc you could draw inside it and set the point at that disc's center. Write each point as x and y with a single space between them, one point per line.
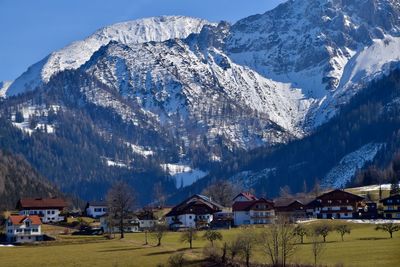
48 209
195 212
23 229
147 220
248 209
96 209
131 224
337 204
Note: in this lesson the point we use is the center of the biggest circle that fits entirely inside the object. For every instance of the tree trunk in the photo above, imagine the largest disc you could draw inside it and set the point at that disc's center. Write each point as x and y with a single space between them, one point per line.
302 239
121 227
391 234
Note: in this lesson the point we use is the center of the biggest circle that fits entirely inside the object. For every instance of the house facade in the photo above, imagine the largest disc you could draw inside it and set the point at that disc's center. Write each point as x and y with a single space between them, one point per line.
336 204
147 220
24 229
293 211
48 209
195 212
391 207
96 209
111 225
247 209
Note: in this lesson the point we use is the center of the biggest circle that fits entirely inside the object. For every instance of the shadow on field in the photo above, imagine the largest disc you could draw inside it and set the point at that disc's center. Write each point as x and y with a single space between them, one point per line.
119 249
373 238
166 252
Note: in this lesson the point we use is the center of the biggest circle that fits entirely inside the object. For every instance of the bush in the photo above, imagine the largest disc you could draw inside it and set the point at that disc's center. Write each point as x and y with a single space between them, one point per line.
176 260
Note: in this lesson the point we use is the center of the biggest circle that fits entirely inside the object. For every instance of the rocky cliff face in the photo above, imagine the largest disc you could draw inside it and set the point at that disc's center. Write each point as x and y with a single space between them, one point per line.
212 89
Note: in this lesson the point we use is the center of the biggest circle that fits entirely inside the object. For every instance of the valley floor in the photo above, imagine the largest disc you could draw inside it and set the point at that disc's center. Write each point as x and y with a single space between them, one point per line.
363 247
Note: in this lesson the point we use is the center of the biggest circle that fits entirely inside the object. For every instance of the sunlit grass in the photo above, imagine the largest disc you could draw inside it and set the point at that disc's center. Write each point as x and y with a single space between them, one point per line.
363 247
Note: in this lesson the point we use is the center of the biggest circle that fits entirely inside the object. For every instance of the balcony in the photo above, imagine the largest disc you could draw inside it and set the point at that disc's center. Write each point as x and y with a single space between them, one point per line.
262 216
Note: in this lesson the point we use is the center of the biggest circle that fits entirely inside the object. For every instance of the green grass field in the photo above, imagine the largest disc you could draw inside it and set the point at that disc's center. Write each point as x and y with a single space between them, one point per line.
364 247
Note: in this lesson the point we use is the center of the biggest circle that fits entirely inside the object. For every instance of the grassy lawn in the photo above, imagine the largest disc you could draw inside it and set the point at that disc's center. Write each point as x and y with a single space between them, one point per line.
364 247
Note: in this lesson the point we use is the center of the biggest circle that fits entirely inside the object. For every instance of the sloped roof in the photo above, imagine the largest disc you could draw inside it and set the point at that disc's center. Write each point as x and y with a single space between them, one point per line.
338 194
397 196
194 201
96 204
247 205
20 219
249 196
295 205
40 203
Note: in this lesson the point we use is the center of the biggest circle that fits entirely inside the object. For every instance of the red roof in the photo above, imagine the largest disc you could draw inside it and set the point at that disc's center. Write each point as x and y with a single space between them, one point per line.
19 219
249 196
248 205
41 203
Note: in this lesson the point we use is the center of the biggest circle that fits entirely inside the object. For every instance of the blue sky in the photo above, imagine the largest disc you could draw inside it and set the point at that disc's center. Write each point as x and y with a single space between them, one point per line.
31 29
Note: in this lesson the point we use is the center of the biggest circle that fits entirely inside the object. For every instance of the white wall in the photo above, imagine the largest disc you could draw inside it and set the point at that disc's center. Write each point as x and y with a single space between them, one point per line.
46 215
96 211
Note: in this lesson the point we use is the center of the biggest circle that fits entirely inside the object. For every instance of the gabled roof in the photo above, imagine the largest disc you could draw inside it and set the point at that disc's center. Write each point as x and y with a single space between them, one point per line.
40 203
338 194
248 205
20 219
397 196
249 196
96 204
313 204
194 202
295 205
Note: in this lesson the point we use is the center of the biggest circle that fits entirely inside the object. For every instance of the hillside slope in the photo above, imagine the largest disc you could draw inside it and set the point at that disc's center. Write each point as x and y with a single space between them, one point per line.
18 179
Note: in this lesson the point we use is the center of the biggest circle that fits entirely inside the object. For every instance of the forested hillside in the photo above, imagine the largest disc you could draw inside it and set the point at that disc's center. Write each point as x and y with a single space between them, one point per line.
18 179
371 117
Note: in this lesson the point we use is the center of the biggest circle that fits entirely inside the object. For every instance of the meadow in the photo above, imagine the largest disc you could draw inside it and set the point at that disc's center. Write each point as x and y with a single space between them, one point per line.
363 247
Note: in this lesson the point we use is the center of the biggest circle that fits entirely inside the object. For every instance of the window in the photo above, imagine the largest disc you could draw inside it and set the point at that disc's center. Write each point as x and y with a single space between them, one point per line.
48 212
19 230
35 230
27 223
53 212
190 217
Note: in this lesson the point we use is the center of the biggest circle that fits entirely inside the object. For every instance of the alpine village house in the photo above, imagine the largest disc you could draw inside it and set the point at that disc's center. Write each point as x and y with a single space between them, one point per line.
48 209
248 209
195 212
23 229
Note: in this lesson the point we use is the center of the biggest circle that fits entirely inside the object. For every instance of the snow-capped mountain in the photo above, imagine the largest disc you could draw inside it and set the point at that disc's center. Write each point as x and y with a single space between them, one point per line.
206 91
320 46
4 87
74 55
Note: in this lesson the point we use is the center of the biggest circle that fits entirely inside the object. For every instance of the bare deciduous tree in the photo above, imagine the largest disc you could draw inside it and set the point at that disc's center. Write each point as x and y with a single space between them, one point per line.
158 194
270 242
300 231
212 236
120 199
158 231
189 236
317 248
388 227
279 242
222 192
247 240
234 248
322 230
343 229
